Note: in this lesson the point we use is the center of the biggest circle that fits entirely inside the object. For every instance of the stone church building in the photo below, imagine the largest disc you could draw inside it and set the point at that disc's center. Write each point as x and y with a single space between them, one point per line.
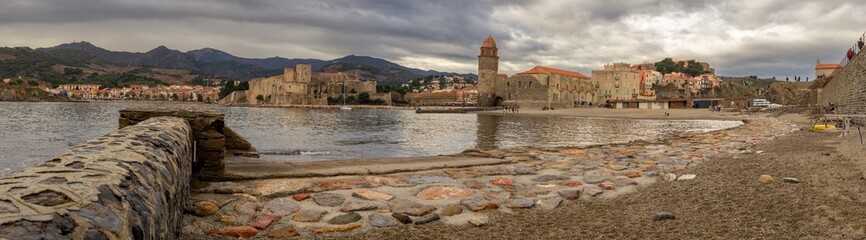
537 88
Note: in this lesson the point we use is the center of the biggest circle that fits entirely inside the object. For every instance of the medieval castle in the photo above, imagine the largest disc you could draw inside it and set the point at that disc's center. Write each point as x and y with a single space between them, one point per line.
300 86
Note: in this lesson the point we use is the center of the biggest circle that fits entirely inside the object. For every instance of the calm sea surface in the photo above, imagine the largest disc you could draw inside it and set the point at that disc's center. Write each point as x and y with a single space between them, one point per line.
34 132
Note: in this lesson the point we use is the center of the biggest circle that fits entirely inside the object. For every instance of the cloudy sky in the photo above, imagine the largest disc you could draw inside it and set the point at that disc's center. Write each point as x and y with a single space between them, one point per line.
738 37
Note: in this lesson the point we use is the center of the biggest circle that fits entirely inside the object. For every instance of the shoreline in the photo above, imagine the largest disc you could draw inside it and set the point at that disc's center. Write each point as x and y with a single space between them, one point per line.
646 114
533 179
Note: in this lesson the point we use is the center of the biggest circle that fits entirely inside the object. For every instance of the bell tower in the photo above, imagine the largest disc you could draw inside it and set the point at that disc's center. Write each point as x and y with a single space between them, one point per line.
488 69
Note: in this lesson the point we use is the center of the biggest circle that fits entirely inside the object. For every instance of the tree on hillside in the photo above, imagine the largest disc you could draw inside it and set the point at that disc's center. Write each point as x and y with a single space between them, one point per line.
694 69
665 66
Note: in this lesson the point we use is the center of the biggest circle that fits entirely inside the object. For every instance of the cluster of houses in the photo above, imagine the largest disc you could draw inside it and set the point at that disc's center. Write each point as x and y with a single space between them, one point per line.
138 92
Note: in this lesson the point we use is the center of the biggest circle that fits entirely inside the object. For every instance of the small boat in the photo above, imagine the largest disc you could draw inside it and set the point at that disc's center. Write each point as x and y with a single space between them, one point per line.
344 107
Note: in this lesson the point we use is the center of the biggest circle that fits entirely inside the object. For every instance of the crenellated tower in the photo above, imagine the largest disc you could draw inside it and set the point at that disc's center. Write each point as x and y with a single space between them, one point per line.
488 69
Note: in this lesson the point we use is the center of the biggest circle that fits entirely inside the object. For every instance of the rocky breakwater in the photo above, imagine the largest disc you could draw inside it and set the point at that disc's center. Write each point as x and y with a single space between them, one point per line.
213 139
537 178
128 184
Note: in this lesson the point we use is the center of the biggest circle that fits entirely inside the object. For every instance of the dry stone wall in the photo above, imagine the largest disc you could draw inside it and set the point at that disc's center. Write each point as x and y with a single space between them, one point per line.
847 89
129 184
213 140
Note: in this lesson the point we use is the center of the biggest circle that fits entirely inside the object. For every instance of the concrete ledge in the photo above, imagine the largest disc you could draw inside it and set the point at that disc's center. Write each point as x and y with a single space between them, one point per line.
241 168
129 184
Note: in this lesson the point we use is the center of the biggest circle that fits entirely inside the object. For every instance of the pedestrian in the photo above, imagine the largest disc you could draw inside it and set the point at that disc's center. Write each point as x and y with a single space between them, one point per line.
860 44
850 53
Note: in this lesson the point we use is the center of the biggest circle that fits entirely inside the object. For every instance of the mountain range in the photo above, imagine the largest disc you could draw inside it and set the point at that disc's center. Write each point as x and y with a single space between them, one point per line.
209 61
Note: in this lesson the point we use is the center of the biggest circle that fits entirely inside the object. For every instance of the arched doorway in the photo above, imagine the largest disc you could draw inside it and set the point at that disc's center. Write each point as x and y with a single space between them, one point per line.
498 101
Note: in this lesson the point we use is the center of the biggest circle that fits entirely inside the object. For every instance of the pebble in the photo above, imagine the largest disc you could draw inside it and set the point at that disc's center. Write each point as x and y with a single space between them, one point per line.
592 191
371 195
686 177
477 222
328 199
308 215
766 179
570 194
351 206
227 219
262 222
429 179
345 228
345 218
427 218
248 208
670 177
660 216
594 179
205 208
477 205
402 218
300 196
443 192
572 184
548 178
549 203
502 181
622 182
379 220
607 186
523 170
790 180
651 173
451 210
283 232
409 207
474 184
282 206
521 203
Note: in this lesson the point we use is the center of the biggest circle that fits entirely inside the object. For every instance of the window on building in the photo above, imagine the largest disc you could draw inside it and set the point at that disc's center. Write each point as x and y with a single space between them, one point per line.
617 91
530 84
508 84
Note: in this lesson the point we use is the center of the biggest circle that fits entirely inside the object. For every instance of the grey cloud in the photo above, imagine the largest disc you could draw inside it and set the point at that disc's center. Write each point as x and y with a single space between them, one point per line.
739 37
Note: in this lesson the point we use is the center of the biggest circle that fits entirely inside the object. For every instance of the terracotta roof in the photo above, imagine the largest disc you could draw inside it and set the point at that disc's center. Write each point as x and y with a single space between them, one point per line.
489 42
543 70
828 66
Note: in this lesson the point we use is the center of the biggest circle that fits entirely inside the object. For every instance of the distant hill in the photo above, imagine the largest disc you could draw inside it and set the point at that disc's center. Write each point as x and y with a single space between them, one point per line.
209 61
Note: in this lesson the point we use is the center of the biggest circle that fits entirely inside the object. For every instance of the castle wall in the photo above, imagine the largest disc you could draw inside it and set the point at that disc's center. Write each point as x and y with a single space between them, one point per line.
847 89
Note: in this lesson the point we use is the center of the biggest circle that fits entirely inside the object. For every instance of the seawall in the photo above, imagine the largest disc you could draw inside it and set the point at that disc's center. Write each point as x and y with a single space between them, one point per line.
129 184
847 88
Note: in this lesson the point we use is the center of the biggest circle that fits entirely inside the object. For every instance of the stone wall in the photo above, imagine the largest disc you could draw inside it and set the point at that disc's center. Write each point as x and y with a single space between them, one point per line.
213 140
129 184
847 88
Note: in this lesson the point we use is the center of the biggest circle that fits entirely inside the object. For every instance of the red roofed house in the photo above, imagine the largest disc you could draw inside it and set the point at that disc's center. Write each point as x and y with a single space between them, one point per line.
825 70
